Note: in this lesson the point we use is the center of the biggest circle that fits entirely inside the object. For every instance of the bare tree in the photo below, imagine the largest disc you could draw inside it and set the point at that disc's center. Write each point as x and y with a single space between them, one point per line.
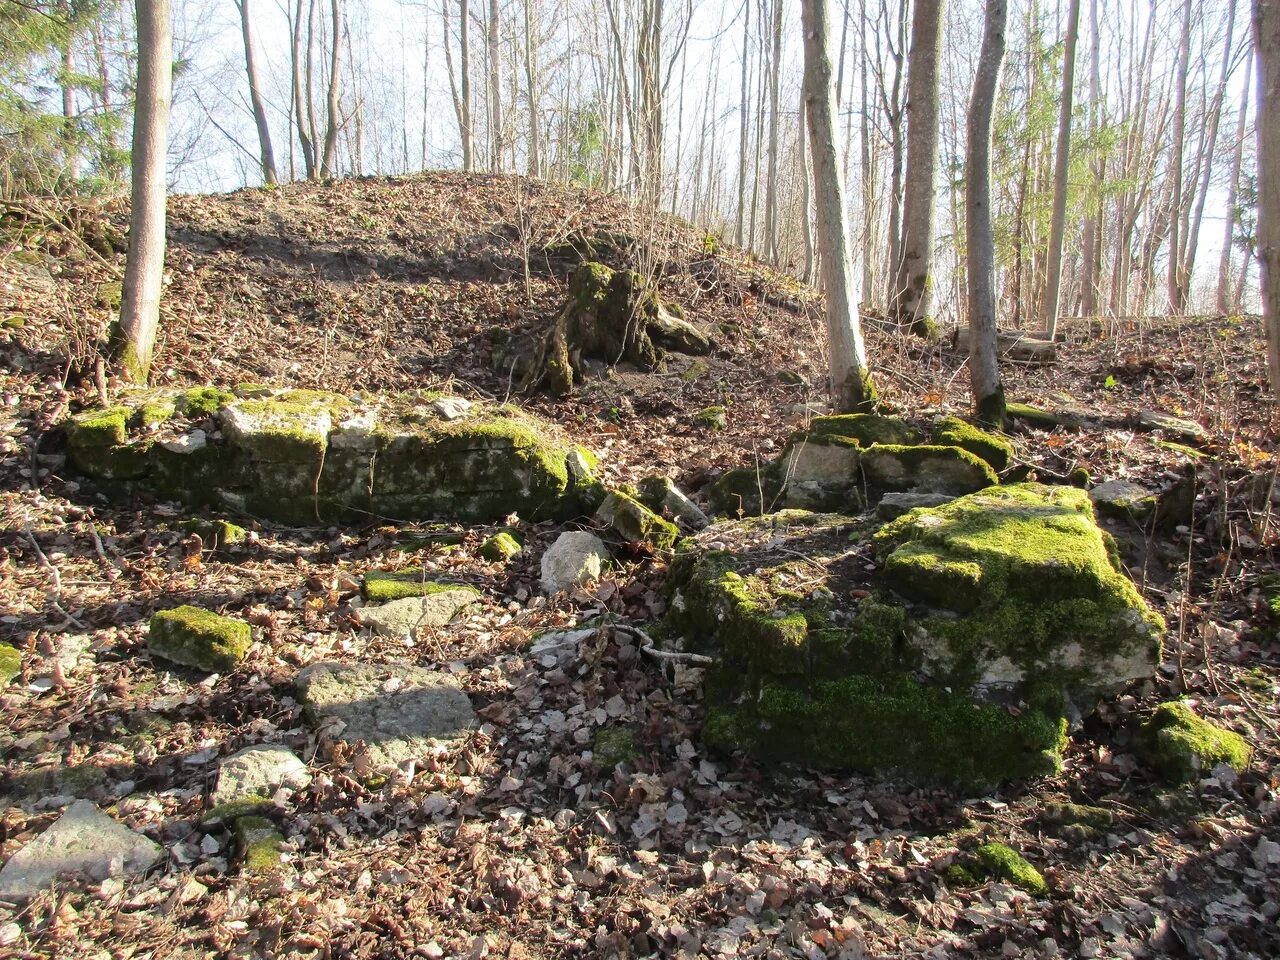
255 98
533 89
771 182
1061 165
144 269
851 383
460 86
984 370
333 120
1177 283
1225 301
495 87
913 285
1266 36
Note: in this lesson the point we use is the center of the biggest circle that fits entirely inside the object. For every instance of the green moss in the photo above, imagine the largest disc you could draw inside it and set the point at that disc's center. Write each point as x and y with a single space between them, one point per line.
927 467
382 586
612 746
199 638
152 412
1184 746
10 663
201 402
896 726
1005 863
960 877
635 523
1080 477
254 391
954 432
866 429
96 429
1032 573
231 810
1077 821
215 534
1043 419
499 547
746 491
291 427
1191 453
260 844
713 418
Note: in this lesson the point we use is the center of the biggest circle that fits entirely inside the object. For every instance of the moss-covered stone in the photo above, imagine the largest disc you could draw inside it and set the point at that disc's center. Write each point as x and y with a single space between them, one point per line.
99 428
232 810
712 418
612 746
260 845
746 491
199 638
994 449
866 428
381 586
152 412
1004 863
215 534
1183 746
635 523
928 468
10 663
201 402
499 547
1076 821
1025 587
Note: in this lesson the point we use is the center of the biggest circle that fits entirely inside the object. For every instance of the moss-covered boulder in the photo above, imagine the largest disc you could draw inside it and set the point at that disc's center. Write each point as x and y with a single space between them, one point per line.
994 449
215 534
305 456
1014 585
199 638
947 646
10 663
501 546
1125 500
746 491
1002 862
259 845
635 523
927 468
1183 746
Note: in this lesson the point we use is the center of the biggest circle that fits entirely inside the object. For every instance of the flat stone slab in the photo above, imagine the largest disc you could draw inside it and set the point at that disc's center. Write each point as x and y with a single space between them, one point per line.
85 842
395 710
259 772
1124 499
1173 426
405 616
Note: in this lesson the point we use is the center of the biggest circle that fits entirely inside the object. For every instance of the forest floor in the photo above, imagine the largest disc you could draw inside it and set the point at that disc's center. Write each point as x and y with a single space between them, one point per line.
514 843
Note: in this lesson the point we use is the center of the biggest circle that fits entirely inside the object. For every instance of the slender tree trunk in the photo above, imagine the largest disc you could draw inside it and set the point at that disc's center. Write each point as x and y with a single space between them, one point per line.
495 87
912 304
984 370
1225 301
531 81
743 125
333 107
1266 34
1092 224
806 201
144 269
1177 286
464 66
1061 166
851 383
70 146
267 155
301 92
775 121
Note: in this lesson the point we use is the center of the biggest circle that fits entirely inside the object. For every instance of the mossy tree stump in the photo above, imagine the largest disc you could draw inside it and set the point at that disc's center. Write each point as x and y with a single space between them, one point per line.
614 316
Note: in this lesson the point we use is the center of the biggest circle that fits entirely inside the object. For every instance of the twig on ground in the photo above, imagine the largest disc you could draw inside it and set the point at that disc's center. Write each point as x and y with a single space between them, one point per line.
651 648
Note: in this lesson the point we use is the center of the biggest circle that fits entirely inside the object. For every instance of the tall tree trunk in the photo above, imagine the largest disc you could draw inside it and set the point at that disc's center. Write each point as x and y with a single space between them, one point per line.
495 87
1093 220
1266 34
70 146
806 200
1061 166
1225 301
912 303
1177 286
984 370
333 107
301 94
532 82
266 154
775 121
851 383
744 125
144 269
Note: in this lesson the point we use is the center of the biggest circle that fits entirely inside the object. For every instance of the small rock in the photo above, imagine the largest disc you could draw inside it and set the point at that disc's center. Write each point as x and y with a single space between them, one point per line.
405 616
559 648
1184 746
1124 500
259 771
451 408
259 844
635 523
199 638
187 443
1170 425
10 663
84 841
660 495
395 710
575 558
499 547
895 504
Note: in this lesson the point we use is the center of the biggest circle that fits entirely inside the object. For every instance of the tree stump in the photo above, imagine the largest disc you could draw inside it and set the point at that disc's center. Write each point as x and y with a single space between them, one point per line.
614 316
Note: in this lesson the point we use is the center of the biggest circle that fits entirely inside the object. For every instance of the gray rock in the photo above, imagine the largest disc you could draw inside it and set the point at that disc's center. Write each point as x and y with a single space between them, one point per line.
259 771
405 616
1124 500
187 442
662 496
83 841
559 648
1172 426
895 504
451 408
395 710
572 560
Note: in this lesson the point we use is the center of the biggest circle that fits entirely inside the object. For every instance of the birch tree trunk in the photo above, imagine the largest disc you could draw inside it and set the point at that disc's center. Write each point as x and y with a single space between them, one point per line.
267 155
743 126
1092 240
532 83
851 384
301 93
144 269
984 371
495 88
1266 35
912 303
1061 166
1177 287
771 190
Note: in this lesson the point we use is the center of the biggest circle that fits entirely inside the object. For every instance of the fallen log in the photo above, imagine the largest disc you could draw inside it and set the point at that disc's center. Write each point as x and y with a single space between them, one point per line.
1013 344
